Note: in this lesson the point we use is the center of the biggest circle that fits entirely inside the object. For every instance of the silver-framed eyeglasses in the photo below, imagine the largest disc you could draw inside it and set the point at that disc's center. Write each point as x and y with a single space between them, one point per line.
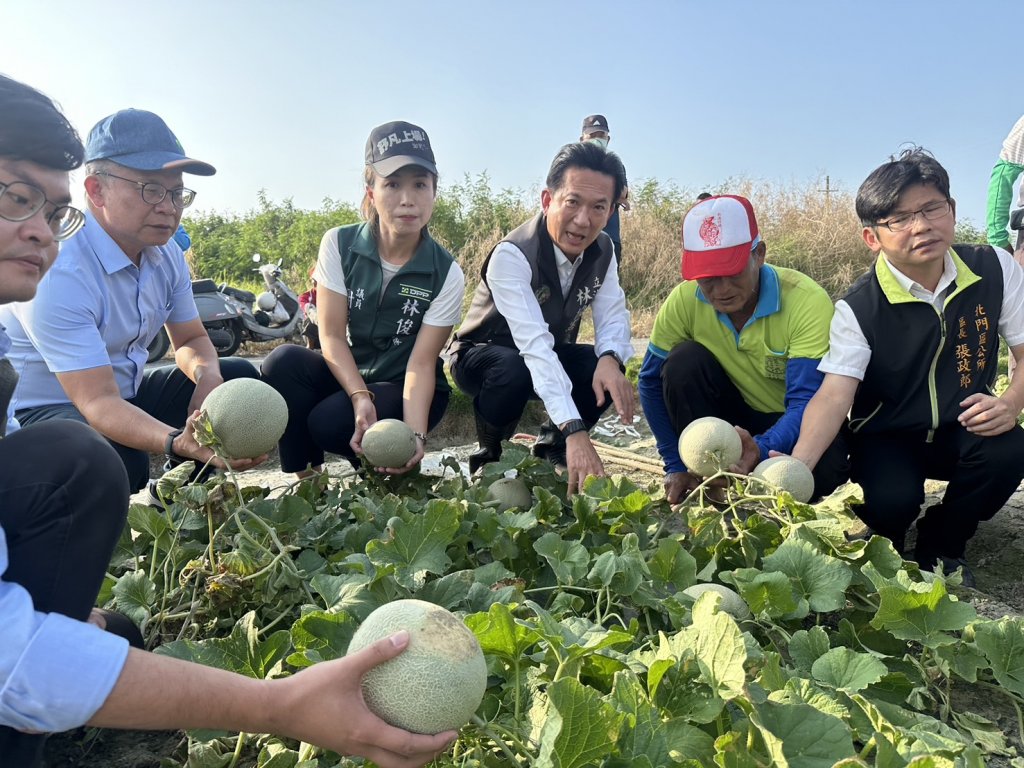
20 201
153 193
902 222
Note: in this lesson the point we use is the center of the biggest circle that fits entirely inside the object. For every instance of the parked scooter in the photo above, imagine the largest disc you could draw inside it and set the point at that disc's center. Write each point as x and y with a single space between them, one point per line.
221 315
233 315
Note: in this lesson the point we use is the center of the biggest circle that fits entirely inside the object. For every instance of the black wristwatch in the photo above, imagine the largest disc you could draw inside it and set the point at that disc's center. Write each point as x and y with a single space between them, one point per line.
573 426
613 354
172 457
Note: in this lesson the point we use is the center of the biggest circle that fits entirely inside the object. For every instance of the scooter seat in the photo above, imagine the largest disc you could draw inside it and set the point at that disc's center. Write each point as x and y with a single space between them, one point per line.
204 286
247 297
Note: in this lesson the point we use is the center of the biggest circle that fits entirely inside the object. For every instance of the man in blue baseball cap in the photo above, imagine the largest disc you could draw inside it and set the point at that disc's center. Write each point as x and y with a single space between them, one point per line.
81 346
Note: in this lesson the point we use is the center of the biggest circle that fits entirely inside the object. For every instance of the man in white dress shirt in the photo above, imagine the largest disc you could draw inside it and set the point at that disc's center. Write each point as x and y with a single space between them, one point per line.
518 339
913 352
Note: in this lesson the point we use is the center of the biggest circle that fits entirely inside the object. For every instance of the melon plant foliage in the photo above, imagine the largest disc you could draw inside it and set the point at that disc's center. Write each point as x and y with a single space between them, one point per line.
595 657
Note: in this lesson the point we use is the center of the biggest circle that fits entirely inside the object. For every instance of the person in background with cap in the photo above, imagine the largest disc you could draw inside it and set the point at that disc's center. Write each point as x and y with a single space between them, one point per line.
65 498
738 339
81 346
518 340
388 296
912 362
595 129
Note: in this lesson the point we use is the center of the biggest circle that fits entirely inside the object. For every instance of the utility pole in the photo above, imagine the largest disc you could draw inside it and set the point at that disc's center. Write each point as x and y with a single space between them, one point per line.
828 192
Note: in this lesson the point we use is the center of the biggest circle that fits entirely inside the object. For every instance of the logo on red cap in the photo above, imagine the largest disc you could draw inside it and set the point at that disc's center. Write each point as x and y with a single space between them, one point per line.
711 231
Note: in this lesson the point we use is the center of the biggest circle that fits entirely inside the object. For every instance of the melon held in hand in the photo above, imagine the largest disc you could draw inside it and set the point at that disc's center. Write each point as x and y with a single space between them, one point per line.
787 473
389 443
709 445
248 416
437 683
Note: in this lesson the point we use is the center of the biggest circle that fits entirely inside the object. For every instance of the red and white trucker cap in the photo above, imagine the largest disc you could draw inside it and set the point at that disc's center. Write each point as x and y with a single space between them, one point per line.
718 235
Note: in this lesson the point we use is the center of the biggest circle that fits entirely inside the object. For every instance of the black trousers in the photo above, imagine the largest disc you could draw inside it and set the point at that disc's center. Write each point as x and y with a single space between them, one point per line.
63 500
695 385
983 472
497 379
320 415
164 394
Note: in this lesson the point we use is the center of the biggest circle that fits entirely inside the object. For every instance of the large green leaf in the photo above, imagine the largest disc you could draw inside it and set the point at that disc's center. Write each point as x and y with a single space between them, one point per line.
672 568
800 736
418 547
646 734
242 651
320 636
820 580
847 670
920 611
1002 642
717 643
767 594
579 729
806 646
568 559
135 595
500 634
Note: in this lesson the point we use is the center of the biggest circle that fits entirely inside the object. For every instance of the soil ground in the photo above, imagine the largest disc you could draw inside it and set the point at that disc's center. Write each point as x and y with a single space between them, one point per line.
996 554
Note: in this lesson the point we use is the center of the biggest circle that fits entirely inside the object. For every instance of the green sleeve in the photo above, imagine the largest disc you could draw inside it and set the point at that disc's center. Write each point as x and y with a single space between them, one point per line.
674 321
1000 198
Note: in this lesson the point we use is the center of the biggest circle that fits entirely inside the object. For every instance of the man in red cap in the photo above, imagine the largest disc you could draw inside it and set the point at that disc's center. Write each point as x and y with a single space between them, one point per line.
738 339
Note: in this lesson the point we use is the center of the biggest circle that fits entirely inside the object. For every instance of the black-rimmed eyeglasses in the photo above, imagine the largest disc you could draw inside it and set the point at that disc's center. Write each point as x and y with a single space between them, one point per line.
903 221
20 201
153 193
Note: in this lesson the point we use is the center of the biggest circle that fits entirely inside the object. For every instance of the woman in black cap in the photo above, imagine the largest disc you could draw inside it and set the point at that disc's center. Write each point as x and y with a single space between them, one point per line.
387 298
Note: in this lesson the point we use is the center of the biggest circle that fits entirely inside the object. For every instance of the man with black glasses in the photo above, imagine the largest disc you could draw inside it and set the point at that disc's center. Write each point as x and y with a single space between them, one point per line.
913 354
80 347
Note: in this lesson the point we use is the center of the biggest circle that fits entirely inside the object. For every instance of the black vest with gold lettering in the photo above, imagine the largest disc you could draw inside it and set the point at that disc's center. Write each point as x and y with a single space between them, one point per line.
925 361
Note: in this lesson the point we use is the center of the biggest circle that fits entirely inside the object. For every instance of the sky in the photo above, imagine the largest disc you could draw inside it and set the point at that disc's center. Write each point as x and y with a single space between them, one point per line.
281 96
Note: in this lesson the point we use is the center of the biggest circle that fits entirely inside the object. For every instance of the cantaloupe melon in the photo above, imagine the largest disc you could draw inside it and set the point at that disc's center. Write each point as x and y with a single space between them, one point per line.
510 492
731 603
248 416
438 682
709 445
389 443
787 473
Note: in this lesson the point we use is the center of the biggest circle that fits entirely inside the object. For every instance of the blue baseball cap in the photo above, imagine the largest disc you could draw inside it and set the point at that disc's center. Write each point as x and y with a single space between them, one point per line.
141 140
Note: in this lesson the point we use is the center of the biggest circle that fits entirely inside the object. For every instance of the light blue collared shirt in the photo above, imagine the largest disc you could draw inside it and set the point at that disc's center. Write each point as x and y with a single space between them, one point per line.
55 672
95 308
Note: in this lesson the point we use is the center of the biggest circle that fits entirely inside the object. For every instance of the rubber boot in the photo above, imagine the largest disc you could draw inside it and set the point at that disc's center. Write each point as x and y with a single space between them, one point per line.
550 444
489 437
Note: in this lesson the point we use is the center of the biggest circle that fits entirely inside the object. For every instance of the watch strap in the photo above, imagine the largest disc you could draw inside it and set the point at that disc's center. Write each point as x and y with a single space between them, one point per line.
573 426
169 445
615 355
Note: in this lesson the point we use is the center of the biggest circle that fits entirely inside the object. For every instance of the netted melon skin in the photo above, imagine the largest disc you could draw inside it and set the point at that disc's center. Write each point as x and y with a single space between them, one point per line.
389 443
510 492
709 445
787 473
438 682
248 416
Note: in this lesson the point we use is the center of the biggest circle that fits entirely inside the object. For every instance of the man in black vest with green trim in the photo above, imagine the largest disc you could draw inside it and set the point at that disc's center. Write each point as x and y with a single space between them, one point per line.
913 355
518 339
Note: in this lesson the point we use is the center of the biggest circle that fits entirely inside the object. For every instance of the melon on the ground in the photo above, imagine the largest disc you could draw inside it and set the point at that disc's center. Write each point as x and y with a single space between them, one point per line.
389 443
787 473
248 416
438 682
709 445
731 603
510 492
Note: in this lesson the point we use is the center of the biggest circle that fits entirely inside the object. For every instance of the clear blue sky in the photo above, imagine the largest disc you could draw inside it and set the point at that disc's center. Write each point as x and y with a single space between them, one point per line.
281 95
